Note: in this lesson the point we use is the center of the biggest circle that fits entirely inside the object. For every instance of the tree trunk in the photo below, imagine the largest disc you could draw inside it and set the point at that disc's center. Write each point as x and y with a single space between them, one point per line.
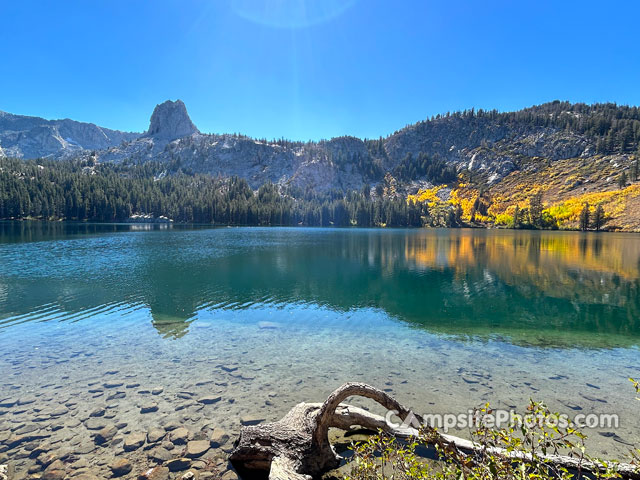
297 446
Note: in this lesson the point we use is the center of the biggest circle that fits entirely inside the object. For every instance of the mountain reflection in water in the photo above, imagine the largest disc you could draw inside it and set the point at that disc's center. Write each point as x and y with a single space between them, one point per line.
564 289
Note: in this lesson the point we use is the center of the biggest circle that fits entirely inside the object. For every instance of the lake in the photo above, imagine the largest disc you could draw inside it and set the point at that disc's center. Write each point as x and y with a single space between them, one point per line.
202 327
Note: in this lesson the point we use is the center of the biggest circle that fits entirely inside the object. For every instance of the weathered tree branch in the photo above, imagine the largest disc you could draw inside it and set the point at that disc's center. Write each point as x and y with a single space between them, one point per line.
297 446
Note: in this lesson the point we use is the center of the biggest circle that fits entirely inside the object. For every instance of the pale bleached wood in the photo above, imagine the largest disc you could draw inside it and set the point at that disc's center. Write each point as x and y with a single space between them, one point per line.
297 446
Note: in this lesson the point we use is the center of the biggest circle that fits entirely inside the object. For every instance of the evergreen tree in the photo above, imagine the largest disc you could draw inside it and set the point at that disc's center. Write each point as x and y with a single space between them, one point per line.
535 209
598 217
622 180
584 218
516 217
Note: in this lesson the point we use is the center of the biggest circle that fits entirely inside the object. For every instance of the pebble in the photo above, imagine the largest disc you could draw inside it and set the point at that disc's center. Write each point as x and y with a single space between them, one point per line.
26 429
218 437
46 459
229 475
155 435
54 475
112 384
251 420
159 455
197 448
54 471
98 412
178 464
149 407
106 434
85 476
179 436
59 411
134 441
121 467
155 473
208 400
117 396
96 423
26 400
84 448
171 425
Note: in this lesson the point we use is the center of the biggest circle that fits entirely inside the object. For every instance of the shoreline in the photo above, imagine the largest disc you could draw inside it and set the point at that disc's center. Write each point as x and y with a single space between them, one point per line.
221 225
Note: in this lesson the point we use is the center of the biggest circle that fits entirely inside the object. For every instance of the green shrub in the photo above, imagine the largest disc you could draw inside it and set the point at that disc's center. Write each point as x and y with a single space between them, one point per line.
382 457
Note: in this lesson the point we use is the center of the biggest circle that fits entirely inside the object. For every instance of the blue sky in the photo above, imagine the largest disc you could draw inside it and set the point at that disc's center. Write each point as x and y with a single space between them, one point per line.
310 69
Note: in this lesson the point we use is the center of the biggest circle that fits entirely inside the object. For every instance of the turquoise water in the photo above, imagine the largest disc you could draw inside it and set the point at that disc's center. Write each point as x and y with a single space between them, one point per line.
443 319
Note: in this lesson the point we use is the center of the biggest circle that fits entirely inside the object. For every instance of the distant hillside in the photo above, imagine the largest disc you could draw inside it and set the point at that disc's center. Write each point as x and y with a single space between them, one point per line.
34 137
535 168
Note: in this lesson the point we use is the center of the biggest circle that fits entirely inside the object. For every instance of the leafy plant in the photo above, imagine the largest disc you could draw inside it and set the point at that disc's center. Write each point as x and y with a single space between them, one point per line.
519 451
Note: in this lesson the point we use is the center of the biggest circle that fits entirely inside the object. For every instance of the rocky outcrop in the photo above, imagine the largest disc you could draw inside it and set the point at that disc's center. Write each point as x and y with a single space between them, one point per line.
481 144
170 121
484 145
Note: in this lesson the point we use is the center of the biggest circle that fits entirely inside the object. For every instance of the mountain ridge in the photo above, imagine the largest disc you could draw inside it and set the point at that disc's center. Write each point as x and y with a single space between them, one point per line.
540 167
23 136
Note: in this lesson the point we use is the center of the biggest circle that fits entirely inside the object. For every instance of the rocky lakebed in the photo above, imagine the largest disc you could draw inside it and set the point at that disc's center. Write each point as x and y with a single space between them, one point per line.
119 427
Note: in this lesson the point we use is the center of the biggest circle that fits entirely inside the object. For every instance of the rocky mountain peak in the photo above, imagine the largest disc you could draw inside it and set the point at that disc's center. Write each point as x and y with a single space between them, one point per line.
170 121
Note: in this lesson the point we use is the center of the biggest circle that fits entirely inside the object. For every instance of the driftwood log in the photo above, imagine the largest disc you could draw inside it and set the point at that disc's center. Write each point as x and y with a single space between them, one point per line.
297 446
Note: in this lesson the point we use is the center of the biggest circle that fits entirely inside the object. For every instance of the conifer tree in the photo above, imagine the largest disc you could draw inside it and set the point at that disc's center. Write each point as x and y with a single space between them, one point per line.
584 218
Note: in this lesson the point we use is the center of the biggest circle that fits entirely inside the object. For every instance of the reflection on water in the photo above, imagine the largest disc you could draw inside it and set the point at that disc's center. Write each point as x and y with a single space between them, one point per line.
542 288
443 319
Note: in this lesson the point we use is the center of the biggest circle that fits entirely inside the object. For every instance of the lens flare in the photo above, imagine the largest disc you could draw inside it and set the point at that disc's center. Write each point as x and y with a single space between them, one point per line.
290 13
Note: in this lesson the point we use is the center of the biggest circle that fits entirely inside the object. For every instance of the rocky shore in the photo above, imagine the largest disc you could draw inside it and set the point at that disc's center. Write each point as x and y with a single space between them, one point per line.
109 397
172 435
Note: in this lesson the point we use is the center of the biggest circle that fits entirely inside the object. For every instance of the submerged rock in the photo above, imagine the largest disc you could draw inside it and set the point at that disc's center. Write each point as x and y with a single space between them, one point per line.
96 423
155 473
114 384
178 464
106 434
197 448
251 420
159 455
134 441
149 407
218 437
179 436
55 471
155 435
98 412
121 467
